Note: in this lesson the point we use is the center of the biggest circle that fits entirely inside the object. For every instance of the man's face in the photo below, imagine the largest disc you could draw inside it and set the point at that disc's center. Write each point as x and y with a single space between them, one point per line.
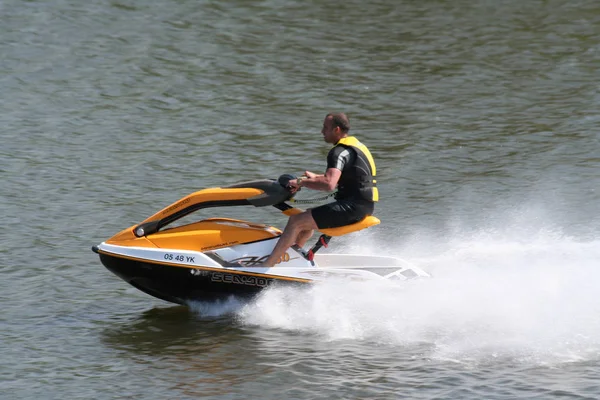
329 131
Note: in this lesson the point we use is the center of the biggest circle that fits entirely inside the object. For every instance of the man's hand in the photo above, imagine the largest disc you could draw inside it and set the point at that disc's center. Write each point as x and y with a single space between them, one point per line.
293 186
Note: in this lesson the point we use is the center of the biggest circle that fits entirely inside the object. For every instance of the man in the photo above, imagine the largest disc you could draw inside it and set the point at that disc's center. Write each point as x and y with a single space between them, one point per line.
350 168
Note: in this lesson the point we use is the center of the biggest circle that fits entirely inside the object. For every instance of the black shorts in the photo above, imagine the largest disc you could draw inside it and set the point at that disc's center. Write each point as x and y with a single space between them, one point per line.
341 212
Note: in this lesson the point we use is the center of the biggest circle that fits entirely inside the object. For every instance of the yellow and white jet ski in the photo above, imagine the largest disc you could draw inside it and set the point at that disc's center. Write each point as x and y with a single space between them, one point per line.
213 258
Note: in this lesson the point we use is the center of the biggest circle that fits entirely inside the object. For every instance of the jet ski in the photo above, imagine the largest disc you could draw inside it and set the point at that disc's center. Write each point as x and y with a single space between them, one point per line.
214 258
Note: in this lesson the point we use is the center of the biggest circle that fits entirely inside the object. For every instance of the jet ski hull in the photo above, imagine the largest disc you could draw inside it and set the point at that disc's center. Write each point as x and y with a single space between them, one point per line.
182 284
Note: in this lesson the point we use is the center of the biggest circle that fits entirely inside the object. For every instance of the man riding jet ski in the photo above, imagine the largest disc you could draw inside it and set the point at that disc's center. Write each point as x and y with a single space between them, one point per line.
350 168
215 258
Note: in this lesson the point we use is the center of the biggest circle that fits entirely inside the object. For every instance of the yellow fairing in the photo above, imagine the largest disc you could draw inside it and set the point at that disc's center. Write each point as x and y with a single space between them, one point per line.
202 196
127 238
130 242
211 234
204 235
292 211
343 230
368 221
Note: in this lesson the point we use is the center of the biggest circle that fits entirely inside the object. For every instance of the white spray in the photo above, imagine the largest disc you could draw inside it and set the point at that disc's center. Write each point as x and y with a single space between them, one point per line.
534 299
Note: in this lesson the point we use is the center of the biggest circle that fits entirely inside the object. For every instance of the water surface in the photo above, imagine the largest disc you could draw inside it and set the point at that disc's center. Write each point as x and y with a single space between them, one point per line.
482 117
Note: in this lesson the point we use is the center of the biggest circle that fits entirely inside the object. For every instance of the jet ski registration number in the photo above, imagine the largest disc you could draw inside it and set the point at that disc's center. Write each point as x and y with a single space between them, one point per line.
178 257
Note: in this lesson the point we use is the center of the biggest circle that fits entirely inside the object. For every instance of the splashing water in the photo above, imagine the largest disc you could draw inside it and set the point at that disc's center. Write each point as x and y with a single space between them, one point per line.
531 301
216 308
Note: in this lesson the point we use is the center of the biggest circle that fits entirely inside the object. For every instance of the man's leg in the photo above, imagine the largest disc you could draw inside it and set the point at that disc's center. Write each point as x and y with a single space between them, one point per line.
295 226
303 237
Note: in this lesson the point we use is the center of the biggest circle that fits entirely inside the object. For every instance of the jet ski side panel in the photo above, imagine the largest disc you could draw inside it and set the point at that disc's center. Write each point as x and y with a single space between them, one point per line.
181 285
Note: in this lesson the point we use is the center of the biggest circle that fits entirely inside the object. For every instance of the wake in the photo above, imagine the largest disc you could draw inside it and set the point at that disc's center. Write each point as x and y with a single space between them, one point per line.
533 300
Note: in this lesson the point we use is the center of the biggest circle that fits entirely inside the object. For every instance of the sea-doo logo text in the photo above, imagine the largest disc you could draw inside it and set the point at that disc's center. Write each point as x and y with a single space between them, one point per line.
241 279
176 205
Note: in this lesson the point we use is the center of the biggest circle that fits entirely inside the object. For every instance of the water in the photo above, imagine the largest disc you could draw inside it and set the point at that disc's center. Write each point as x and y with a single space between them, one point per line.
482 117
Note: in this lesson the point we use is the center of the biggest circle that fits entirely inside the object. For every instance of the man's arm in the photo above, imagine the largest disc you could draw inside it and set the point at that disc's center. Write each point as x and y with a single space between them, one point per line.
326 182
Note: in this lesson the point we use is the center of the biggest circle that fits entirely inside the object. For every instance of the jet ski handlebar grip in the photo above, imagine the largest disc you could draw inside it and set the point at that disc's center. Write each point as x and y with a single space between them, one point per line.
284 180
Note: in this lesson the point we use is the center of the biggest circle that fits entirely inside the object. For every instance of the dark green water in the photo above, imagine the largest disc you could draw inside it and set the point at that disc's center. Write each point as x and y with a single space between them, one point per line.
482 116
